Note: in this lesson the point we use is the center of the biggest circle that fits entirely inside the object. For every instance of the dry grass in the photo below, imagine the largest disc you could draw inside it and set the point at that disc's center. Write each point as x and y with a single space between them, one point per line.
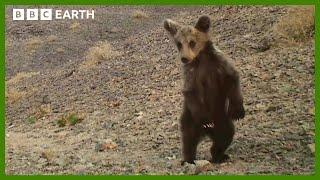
52 38
48 154
95 55
13 95
32 44
60 50
8 43
138 14
298 25
75 26
20 76
42 112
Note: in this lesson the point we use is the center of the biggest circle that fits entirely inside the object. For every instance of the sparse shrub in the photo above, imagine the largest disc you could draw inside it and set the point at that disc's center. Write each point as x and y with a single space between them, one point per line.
138 14
95 55
48 154
40 113
298 25
31 120
43 111
73 119
69 119
75 26
61 122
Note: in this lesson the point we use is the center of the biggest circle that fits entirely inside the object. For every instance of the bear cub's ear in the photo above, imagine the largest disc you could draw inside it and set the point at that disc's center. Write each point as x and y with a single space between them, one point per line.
203 24
171 26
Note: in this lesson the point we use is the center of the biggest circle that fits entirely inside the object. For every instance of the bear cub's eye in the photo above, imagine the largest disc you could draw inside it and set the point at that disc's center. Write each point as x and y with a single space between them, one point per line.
192 44
179 45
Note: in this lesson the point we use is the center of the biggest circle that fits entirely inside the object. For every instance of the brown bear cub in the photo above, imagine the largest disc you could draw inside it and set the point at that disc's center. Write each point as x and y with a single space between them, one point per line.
212 94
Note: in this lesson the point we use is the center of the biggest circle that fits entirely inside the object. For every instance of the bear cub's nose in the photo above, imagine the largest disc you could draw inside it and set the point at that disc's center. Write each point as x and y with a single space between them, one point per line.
184 60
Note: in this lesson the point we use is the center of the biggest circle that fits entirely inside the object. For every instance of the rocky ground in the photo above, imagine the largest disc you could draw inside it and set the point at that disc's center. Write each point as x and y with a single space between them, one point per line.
103 96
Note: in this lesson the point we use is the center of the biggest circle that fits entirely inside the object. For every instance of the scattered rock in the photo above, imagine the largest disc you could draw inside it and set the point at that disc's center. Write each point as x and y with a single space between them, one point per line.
80 168
45 99
263 45
41 163
311 111
312 147
108 144
61 161
190 169
272 108
203 166
138 114
172 157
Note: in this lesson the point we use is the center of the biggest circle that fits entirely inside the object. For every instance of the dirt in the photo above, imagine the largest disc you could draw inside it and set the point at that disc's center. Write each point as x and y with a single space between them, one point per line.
131 103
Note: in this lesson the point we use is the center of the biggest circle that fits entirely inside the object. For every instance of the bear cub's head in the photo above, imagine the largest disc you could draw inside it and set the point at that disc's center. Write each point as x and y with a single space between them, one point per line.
189 40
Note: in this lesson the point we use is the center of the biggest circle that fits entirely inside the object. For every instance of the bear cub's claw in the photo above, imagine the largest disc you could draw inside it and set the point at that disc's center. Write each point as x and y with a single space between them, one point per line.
220 159
236 112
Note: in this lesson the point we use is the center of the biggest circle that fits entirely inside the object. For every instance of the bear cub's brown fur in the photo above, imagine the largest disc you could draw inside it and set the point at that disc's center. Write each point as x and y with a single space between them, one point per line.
212 94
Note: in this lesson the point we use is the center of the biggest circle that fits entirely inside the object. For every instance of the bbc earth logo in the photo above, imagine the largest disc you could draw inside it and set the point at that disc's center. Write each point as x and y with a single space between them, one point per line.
50 14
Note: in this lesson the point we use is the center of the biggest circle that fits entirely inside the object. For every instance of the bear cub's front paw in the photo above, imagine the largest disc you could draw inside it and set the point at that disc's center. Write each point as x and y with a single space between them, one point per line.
236 112
220 159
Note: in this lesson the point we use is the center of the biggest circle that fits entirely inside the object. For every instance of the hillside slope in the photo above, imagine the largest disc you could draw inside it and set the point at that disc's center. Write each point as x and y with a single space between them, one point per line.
103 96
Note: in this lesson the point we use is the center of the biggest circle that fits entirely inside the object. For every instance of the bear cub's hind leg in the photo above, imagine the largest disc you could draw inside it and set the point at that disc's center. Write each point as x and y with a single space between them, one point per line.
190 137
222 137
